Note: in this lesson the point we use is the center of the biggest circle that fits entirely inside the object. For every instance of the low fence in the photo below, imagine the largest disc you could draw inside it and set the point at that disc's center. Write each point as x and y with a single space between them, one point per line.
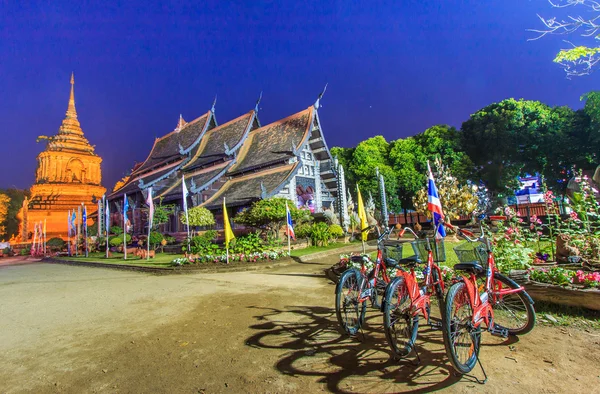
523 210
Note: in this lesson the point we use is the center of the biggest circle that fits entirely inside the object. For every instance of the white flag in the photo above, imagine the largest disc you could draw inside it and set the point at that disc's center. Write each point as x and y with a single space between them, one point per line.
150 203
185 193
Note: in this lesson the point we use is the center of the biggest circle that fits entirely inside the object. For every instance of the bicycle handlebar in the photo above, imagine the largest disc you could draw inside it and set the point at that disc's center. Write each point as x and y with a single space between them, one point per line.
410 230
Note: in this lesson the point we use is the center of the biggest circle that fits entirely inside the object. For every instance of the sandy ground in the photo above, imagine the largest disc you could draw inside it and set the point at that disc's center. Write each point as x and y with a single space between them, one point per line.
78 330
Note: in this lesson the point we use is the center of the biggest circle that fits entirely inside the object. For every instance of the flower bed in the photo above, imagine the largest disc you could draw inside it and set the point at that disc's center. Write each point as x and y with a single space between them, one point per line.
561 286
233 257
564 277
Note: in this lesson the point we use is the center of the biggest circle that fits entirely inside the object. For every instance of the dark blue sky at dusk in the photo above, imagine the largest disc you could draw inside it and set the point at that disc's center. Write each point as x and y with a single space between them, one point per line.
394 68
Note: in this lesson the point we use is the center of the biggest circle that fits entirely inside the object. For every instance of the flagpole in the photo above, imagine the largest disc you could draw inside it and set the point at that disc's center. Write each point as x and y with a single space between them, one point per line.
34 239
84 228
287 224
69 232
150 219
124 226
185 207
45 238
77 231
106 224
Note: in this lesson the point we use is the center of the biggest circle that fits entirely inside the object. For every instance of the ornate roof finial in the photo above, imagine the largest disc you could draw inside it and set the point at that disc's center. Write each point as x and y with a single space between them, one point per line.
258 102
318 102
71 112
212 109
180 124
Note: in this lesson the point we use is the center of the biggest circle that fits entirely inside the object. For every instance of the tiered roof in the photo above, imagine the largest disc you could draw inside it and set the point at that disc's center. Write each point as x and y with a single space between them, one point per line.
250 162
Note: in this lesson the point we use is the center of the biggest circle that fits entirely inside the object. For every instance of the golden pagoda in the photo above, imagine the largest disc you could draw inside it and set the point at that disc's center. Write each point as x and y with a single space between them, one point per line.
68 174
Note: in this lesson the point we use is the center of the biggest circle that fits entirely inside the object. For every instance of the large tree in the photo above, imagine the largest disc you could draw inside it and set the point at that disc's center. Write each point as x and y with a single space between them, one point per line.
504 138
11 221
4 204
578 58
367 157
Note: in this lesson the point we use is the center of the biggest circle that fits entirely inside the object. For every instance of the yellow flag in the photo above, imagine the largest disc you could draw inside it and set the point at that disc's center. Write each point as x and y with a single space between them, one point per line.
362 215
228 233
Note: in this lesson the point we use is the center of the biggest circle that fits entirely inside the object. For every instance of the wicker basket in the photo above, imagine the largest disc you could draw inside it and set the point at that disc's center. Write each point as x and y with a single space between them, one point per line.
393 251
422 247
469 252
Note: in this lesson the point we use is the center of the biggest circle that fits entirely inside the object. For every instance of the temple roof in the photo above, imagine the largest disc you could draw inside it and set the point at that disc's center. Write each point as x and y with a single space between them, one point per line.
274 143
223 140
173 145
251 187
195 181
138 182
70 136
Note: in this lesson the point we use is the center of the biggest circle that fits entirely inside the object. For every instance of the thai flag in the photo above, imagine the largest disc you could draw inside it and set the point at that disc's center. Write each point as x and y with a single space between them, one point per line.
434 204
290 227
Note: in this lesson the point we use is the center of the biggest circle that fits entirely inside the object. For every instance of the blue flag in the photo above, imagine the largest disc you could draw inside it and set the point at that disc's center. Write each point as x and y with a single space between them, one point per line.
125 209
434 204
107 217
73 218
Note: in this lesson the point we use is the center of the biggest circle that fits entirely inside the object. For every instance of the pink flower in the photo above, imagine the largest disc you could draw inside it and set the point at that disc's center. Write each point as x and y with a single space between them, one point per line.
574 215
520 220
533 219
539 233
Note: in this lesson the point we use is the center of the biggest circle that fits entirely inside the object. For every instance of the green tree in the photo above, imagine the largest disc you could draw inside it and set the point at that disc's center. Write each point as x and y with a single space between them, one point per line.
577 60
500 140
162 213
367 157
4 204
199 216
12 222
269 214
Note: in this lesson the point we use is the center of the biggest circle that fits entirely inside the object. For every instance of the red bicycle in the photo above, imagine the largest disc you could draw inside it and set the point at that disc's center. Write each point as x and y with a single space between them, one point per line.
499 303
357 286
404 300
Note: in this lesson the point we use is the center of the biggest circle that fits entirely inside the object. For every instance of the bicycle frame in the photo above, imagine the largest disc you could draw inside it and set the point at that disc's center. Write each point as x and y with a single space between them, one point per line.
379 265
482 310
418 301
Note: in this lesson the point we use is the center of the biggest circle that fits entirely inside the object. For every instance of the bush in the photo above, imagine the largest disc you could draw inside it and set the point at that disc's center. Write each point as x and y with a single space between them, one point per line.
55 244
25 252
210 234
247 244
319 234
199 216
155 239
170 240
336 231
202 245
7 251
116 230
303 230
118 240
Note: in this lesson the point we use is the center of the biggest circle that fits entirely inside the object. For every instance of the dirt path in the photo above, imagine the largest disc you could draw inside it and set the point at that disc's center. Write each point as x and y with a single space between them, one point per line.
74 329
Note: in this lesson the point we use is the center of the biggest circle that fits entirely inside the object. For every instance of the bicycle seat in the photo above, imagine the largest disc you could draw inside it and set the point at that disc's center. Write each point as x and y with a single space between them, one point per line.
360 259
473 267
408 261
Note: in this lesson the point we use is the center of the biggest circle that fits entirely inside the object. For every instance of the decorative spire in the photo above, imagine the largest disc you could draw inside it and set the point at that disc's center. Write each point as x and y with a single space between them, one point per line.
212 109
180 124
71 112
318 102
258 102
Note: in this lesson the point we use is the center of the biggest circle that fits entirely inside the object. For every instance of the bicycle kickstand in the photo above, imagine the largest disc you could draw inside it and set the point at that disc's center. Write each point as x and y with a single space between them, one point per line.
484 381
418 360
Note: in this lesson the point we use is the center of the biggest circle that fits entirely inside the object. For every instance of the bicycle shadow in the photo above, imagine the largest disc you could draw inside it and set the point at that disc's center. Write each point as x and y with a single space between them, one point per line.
315 348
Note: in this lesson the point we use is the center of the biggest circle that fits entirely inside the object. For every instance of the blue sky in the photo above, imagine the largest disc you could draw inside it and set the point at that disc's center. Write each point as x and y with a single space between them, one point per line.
394 68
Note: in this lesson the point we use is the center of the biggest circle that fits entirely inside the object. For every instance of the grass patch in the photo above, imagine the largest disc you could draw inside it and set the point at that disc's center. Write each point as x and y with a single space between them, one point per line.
316 249
161 260
566 316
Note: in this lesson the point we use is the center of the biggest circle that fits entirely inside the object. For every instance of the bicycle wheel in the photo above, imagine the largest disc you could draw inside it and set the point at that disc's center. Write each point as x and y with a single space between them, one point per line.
350 312
461 340
512 311
399 324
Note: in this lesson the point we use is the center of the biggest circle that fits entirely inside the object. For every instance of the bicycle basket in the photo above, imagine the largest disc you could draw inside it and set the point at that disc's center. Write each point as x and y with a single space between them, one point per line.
421 247
469 252
393 251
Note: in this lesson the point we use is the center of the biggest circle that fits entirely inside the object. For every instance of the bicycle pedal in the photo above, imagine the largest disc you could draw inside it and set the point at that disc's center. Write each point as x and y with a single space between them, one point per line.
499 331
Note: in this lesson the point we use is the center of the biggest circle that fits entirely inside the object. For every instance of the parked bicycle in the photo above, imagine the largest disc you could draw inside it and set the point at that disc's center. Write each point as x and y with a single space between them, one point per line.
358 286
499 303
405 301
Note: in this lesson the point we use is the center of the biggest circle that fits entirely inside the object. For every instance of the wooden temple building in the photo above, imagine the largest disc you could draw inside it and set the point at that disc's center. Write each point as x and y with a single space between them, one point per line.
68 175
240 160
